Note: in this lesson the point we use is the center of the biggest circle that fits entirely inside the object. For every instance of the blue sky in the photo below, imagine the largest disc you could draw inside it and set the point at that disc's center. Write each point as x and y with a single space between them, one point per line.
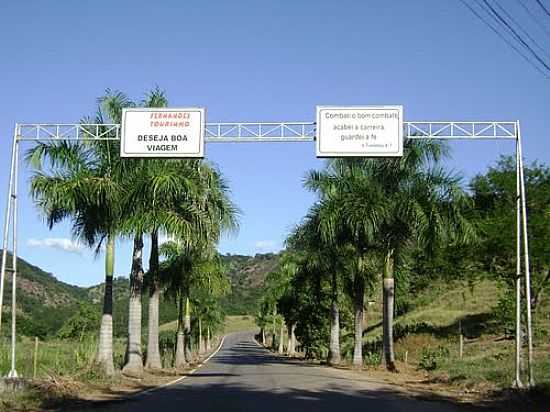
256 61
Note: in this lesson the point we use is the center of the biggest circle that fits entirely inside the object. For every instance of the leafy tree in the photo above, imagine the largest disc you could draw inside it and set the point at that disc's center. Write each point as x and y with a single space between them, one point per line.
85 321
494 195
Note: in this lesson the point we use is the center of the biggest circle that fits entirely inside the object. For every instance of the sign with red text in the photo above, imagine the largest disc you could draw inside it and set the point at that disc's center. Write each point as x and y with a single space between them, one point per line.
162 132
362 131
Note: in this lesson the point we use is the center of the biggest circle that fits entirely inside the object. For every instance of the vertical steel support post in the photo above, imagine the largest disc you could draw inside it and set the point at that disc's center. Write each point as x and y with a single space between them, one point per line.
13 372
7 223
526 263
517 382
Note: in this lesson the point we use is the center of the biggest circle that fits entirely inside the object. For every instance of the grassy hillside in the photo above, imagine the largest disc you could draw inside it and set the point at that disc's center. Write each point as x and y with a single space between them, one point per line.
43 302
234 323
427 336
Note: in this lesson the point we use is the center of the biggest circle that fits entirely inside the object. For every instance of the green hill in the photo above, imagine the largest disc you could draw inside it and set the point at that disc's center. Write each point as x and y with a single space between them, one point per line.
44 302
247 274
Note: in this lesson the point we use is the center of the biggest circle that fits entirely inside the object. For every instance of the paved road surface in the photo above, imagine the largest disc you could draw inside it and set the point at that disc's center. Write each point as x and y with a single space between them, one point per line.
242 376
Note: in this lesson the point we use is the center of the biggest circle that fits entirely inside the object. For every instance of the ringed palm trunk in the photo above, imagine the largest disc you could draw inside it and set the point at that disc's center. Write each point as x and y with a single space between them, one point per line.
273 327
359 301
105 351
153 350
388 306
134 362
293 339
281 338
180 337
334 344
201 342
187 325
291 349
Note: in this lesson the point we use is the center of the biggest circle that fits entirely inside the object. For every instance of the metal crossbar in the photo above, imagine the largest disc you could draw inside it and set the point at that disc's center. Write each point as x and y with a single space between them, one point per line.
274 131
284 132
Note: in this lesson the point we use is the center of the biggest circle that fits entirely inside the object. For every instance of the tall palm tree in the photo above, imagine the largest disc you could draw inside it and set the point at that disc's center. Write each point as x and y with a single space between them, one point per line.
206 201
137 207
388 204
324 259
80 181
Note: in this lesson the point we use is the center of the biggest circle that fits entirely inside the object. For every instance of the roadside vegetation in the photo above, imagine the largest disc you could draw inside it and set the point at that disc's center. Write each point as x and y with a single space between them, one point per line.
106 198
399 261
397 267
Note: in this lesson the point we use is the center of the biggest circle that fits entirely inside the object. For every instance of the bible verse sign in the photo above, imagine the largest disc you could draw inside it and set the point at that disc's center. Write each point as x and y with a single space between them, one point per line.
362 131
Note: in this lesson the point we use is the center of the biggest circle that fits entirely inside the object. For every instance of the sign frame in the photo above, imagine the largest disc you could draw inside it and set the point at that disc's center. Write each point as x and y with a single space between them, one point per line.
366 153
124 153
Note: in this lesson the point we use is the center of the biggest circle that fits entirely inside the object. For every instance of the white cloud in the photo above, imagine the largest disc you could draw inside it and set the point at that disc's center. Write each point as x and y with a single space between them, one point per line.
65 244
264 246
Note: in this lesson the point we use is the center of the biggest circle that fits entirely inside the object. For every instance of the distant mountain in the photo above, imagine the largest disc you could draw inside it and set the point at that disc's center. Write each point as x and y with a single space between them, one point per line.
247 274
44 302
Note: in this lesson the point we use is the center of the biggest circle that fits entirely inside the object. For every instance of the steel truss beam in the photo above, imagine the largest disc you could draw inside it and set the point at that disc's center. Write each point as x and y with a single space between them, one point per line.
274 131
282 132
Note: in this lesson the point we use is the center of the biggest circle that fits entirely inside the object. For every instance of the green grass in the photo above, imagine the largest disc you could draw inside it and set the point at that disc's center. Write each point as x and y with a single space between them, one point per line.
239 323
433 323
56 357
233 323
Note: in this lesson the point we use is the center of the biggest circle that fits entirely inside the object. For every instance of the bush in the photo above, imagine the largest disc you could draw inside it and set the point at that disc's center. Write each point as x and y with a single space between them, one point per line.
505 312
430 358
372 358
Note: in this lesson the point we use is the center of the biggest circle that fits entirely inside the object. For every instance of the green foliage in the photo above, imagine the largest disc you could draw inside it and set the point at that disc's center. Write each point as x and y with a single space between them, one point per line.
85 321
430 358
372 358
504 312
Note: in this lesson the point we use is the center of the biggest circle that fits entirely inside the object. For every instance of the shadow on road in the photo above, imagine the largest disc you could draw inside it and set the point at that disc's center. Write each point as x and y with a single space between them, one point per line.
233 397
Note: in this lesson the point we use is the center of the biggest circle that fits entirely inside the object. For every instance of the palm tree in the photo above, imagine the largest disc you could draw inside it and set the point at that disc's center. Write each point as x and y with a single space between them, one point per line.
388 204
193 273
324 259
343 185
137 207
206 200
81 183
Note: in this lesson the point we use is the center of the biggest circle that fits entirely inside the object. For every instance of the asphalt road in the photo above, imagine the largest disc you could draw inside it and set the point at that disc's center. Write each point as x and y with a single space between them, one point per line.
242 376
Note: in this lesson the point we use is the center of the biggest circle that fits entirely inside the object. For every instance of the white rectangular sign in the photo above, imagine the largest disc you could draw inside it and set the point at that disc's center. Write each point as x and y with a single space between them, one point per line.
366 131
162 132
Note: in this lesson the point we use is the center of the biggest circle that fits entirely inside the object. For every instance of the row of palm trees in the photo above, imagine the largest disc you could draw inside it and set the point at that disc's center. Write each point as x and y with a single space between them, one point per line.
106 198
370 214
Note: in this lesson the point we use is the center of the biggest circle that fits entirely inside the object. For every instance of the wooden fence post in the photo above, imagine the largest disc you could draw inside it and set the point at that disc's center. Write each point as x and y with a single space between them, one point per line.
35 360
461 340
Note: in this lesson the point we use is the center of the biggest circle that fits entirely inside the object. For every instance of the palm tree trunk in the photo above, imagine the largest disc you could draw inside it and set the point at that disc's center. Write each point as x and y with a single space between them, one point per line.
187 325
289 338
291 348
293 339
134 361
201 342
180 337
388 300
359 301
281 338
273 328
334 344
105 352
153 351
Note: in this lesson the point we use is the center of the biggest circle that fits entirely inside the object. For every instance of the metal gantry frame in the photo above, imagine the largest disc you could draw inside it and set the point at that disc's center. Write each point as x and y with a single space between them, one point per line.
283 132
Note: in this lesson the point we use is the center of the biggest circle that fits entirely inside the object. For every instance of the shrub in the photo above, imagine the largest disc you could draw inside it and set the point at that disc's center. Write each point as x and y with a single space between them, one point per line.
430 358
